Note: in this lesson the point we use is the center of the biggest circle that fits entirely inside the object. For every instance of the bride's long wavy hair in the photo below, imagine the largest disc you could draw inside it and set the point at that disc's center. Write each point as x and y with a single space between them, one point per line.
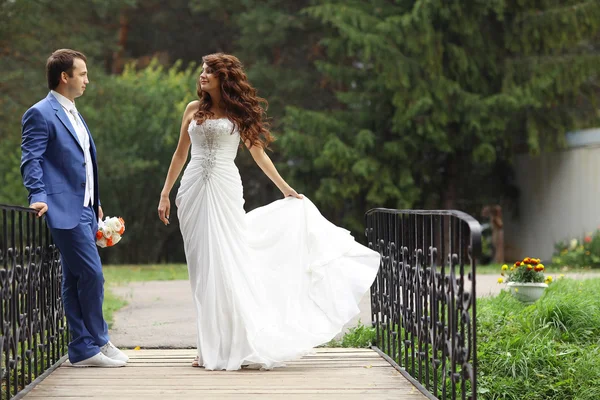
238 98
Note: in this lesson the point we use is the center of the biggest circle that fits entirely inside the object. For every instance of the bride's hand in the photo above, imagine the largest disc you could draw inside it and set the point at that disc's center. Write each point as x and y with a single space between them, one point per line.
164 209
289 192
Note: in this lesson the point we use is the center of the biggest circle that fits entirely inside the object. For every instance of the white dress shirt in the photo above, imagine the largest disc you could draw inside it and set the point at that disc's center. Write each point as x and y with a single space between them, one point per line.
84 142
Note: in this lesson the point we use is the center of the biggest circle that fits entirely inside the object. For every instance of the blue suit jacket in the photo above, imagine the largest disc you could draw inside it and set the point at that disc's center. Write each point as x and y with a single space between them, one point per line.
53 164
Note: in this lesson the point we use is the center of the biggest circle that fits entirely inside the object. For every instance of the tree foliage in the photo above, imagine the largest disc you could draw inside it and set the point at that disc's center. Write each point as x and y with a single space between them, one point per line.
445 93
137 118
400 104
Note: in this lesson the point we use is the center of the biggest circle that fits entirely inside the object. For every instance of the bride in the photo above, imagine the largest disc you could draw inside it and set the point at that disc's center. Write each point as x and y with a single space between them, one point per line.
271 284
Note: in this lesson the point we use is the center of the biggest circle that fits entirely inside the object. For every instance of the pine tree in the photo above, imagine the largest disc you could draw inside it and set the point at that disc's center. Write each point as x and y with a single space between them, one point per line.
29 32
436 96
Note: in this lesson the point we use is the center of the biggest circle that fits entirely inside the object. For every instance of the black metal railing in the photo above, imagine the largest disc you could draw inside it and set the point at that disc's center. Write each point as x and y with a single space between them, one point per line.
33 331
423 299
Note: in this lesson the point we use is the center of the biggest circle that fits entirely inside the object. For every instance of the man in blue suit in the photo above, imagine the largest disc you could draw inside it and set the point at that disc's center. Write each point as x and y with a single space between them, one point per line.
59 170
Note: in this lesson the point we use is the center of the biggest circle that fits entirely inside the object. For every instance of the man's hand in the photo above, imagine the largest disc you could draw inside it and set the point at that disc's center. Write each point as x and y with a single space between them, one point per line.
40 207
100 213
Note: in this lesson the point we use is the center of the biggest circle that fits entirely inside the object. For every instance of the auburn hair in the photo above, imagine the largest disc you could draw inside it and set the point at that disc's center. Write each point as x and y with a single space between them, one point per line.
239 99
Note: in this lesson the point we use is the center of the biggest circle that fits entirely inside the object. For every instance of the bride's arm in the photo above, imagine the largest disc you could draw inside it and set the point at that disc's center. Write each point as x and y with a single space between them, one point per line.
264 162
177 163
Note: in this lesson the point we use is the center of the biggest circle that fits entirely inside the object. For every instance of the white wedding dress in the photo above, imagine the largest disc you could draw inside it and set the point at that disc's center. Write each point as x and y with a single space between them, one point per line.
268 285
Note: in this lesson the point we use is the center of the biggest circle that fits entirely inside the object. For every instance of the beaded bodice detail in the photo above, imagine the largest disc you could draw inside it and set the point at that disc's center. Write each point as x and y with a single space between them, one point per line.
214 141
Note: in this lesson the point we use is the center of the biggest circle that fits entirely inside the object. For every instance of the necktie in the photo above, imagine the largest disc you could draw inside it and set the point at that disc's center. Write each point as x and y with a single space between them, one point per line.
73 112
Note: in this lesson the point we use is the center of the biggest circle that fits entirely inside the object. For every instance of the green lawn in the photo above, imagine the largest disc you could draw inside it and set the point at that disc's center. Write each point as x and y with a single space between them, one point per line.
548 350
123 274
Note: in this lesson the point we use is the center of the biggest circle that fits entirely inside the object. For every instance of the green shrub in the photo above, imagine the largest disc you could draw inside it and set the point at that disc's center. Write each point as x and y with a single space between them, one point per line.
578 253
359 336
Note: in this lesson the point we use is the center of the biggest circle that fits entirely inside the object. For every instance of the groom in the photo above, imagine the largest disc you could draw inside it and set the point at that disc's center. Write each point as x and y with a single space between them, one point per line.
59 170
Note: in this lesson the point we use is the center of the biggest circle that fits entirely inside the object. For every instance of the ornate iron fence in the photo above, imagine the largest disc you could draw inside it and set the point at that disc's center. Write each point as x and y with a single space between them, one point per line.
33 330
423 299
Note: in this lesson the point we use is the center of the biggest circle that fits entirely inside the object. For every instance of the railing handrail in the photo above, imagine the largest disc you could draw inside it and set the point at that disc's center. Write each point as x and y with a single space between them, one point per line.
409 296
35 332
17 208
474 225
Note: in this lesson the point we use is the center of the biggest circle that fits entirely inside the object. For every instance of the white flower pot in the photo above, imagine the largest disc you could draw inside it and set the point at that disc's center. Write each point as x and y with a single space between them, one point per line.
526 292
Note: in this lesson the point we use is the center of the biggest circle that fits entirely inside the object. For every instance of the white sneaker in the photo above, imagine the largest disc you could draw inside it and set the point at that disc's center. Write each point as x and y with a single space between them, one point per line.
99 360
110 351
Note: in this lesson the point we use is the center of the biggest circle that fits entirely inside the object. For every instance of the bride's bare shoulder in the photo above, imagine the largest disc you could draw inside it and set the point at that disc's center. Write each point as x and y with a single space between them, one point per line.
190 110
192 106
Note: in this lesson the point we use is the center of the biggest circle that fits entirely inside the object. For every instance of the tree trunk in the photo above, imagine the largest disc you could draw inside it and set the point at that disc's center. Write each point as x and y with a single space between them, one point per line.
118 63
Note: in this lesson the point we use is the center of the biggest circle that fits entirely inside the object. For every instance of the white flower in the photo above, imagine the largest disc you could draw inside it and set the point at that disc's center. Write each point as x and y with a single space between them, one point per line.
107 231
101 242
573 244
114 224
116 238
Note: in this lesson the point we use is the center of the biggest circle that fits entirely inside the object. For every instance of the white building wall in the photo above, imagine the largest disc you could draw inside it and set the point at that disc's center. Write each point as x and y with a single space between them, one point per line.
559 199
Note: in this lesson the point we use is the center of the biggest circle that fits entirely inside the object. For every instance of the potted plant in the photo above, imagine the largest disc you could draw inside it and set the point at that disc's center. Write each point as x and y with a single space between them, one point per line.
525 279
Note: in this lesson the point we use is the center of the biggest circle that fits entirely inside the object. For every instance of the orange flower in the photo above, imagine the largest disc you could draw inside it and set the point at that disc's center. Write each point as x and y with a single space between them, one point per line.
533 261
527 260
588 239
99 235
539 268
109 242
122 221
529 267
518 264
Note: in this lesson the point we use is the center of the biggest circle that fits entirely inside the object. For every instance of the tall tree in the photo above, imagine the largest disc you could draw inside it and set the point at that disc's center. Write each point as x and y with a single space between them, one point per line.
436 96
29 32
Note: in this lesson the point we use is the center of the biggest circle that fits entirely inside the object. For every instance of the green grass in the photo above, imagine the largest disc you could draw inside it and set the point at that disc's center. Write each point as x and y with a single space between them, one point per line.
123 274
112 303
359 336
548 350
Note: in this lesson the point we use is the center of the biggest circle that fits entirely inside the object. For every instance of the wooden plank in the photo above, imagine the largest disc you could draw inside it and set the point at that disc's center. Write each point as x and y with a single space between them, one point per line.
184 356
117 394
197 373
263 396
167 374
250 381
315 350
397 394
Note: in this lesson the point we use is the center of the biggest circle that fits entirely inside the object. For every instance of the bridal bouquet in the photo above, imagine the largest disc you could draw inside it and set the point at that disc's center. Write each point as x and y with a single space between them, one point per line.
109 231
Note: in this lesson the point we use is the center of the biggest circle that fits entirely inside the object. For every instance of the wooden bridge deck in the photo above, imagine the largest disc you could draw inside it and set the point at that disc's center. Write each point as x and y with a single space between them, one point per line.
167 374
